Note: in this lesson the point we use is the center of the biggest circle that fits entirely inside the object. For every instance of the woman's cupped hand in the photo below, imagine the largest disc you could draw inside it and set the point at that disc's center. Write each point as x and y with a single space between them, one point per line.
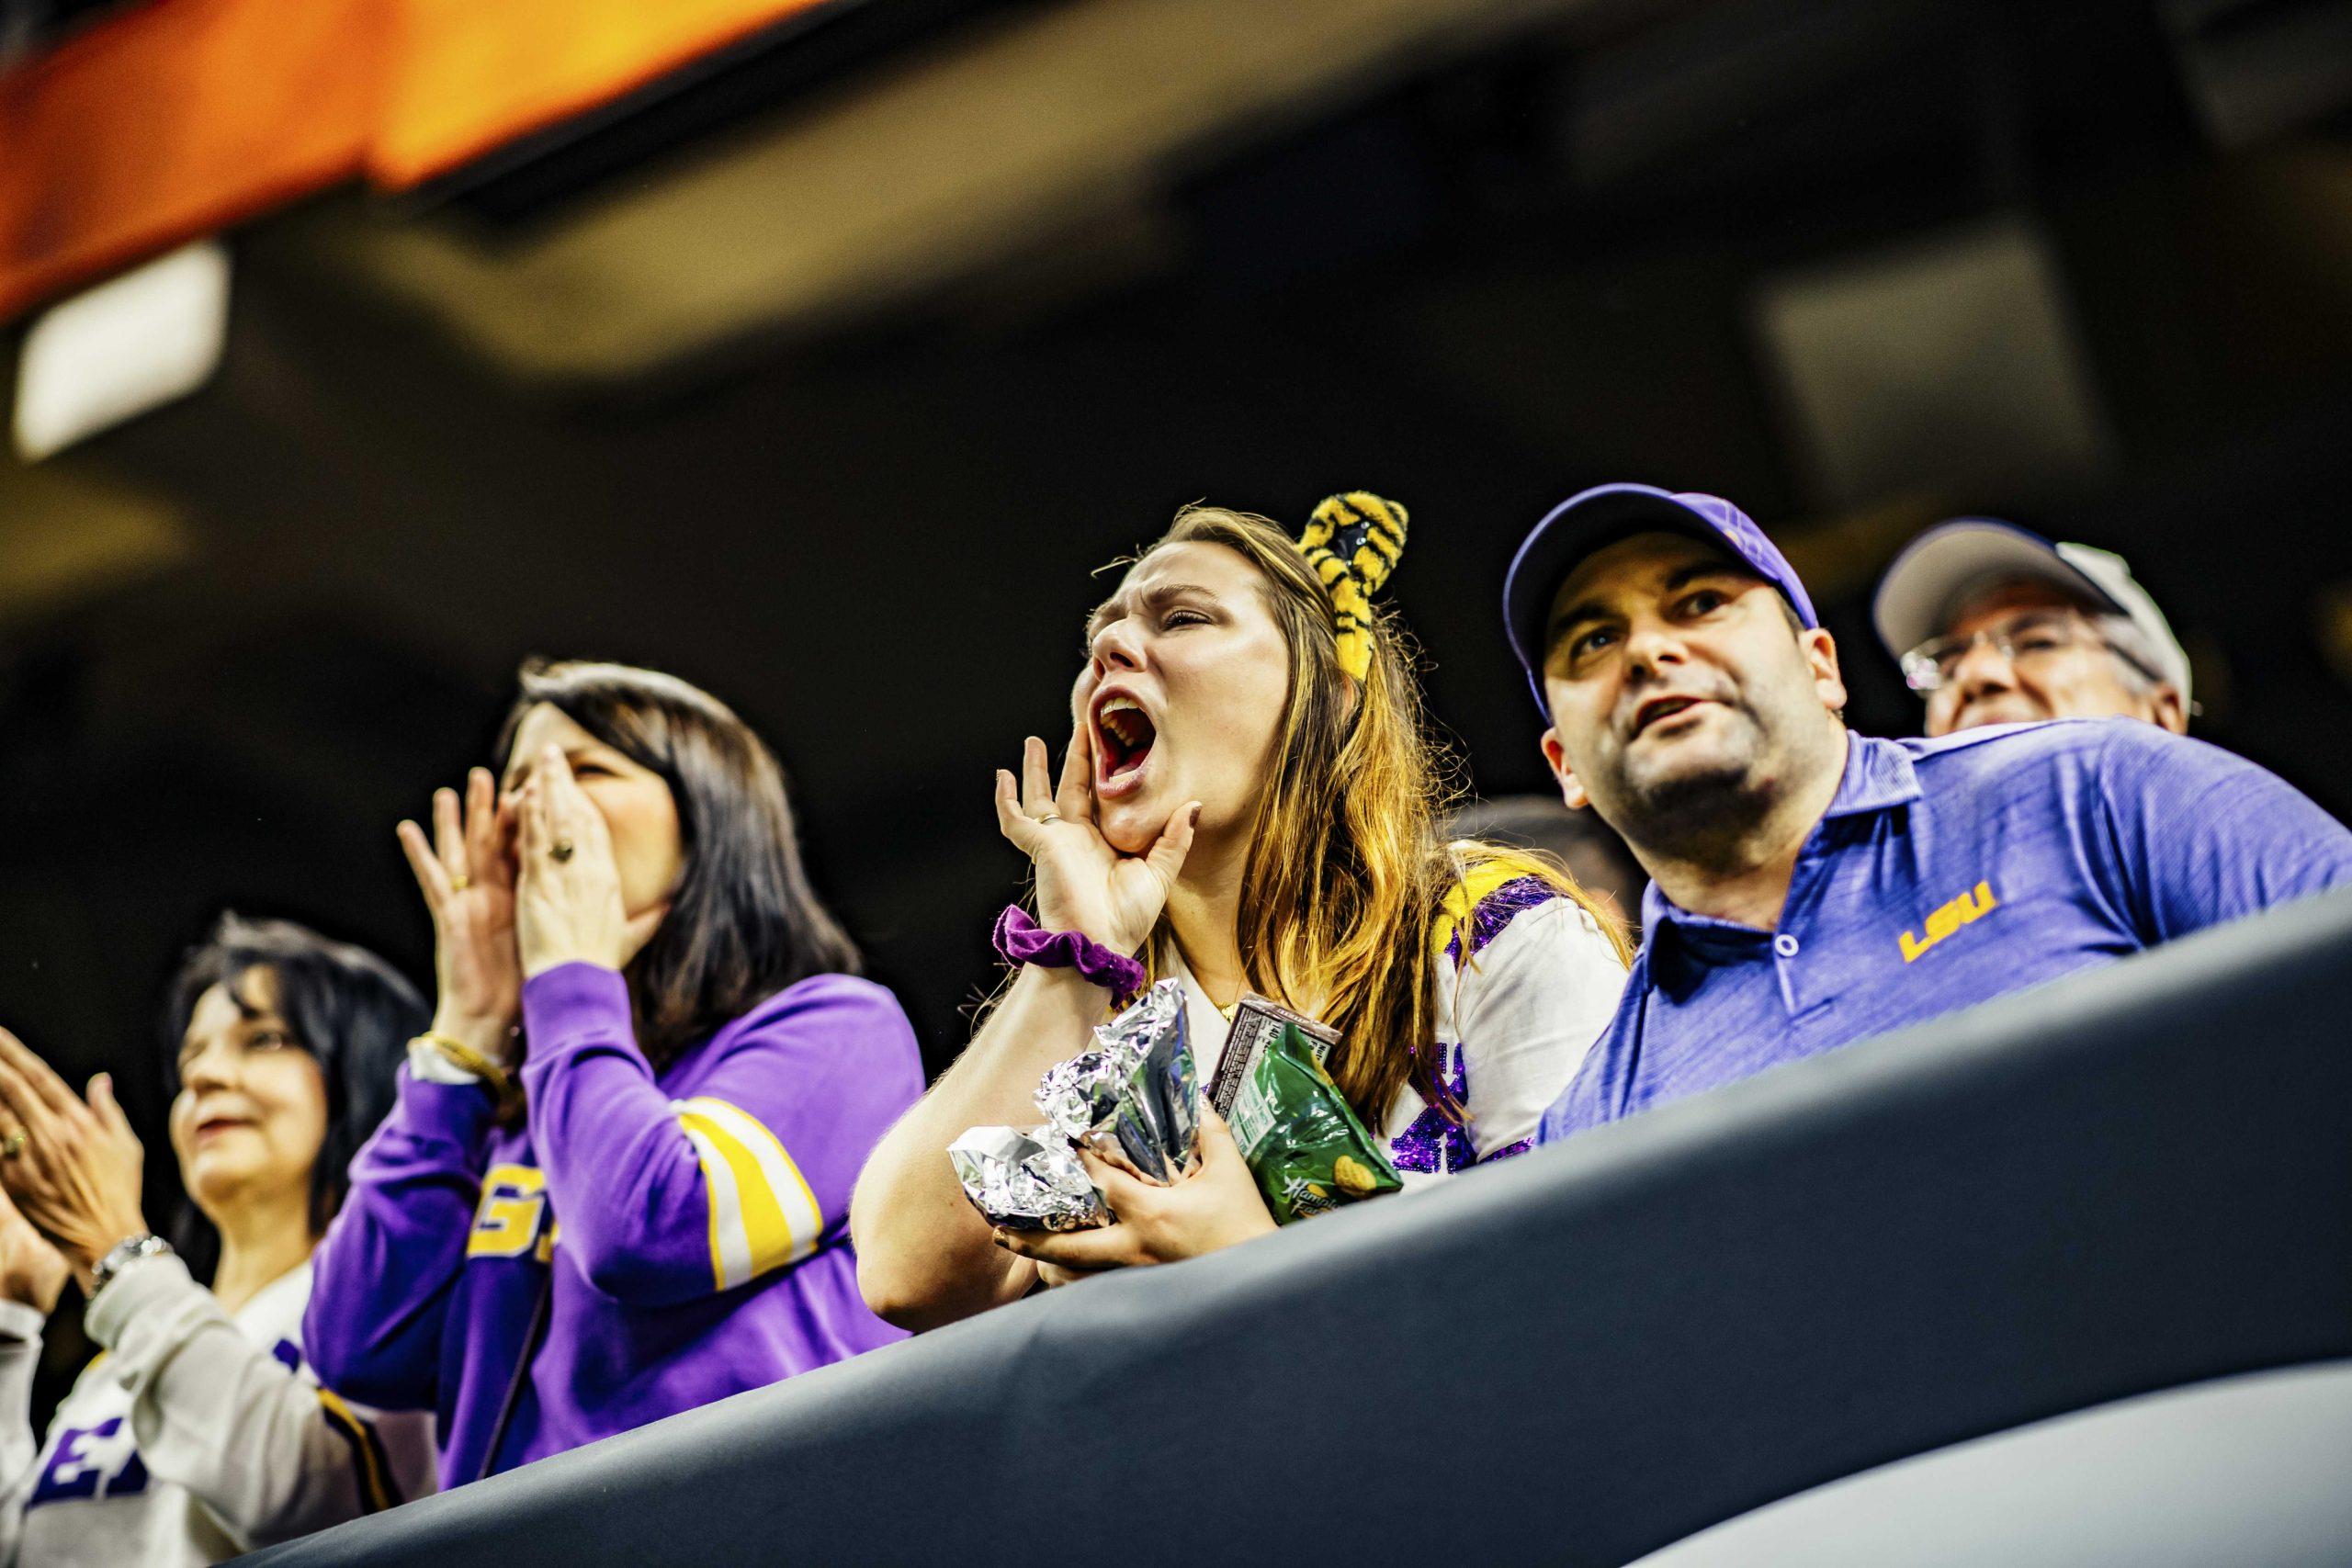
466 871
568 905
1083 882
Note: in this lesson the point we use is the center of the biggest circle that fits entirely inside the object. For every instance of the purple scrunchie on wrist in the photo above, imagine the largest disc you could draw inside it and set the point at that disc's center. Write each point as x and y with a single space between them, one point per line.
1020 939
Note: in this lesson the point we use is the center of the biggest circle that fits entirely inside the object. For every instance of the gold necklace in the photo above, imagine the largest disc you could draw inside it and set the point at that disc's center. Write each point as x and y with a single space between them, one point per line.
1225 1012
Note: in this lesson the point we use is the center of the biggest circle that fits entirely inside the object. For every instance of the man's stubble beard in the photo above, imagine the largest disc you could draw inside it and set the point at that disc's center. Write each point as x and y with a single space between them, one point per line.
1700 804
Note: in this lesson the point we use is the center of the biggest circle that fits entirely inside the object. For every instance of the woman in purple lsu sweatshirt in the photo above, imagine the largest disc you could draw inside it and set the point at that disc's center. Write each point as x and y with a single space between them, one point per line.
614 1182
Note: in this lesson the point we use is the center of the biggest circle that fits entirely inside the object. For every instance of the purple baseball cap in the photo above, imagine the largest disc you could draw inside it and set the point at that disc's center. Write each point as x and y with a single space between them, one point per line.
1604 514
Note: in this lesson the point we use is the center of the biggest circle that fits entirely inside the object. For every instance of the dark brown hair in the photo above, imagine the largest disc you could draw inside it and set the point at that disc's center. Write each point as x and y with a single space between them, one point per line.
743 923
351 1010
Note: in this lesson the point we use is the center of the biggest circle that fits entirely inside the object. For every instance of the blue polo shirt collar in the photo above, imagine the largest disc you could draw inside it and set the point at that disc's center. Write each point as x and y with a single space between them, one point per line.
1878 778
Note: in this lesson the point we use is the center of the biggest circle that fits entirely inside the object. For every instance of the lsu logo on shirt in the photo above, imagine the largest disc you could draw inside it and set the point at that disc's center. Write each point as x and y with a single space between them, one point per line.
1973 905
512 1219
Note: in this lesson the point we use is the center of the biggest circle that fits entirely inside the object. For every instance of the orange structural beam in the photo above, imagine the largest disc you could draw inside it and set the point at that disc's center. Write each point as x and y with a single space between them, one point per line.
173 121
181 117
469 75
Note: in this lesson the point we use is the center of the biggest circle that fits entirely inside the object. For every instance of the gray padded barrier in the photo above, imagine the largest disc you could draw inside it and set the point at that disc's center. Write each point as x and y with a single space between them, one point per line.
2132 1180
2245 1471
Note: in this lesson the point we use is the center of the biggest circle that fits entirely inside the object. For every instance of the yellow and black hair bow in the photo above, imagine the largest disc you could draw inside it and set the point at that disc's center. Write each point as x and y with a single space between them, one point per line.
1353 541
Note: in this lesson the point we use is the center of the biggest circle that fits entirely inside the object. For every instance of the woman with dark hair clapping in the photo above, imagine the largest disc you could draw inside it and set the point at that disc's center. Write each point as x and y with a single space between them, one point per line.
614 1185
201 1433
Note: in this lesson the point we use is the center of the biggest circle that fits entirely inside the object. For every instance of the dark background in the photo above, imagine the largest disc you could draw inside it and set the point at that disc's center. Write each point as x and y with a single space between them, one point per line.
241 637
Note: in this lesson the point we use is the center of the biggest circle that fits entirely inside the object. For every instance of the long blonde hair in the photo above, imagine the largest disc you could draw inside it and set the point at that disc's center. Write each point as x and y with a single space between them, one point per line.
1342 893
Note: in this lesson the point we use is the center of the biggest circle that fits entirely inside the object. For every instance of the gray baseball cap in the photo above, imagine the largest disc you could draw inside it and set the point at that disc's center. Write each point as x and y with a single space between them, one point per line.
1937 572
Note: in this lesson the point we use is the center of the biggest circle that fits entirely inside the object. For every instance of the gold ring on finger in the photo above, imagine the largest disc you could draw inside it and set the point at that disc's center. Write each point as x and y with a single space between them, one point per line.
1050 816
13 1146
460 881
560 848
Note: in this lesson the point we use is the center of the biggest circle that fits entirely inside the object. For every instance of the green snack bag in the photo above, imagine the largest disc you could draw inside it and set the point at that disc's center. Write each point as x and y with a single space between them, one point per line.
1301 1137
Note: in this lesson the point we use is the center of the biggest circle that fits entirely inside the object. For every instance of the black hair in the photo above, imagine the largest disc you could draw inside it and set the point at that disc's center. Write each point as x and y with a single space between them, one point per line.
351 1012
743 923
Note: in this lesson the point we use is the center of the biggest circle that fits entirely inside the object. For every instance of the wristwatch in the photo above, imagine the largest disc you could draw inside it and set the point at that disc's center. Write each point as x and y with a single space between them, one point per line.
122 1255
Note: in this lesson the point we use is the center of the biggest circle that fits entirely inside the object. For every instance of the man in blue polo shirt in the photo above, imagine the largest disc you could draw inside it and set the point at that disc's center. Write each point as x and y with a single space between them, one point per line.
1810 886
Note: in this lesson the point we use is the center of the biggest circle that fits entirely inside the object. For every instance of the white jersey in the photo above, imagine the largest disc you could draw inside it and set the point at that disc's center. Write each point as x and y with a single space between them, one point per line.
196 1437
1526 981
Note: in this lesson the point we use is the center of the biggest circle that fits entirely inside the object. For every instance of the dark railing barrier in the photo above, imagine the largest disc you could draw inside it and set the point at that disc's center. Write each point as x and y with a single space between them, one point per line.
2132 1180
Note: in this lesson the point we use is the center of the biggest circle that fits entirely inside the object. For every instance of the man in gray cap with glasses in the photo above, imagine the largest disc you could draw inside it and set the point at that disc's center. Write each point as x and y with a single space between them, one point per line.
1811 887
1992 624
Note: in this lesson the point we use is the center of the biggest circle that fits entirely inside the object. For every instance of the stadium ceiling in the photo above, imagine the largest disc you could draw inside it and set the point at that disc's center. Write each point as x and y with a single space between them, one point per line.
1048 132
161 123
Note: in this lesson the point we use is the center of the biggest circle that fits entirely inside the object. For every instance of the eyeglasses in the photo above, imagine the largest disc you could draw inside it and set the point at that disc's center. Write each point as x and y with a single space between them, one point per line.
2023 643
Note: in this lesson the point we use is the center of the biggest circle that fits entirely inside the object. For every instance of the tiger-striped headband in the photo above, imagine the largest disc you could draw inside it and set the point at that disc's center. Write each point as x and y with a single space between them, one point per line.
1352 541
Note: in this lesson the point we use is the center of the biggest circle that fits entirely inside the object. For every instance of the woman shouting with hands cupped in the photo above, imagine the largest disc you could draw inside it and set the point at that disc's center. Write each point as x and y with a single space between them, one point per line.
614 1184
1248 802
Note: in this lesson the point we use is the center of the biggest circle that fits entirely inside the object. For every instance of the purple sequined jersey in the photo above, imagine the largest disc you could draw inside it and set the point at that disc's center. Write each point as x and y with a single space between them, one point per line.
1496 910
1435 1143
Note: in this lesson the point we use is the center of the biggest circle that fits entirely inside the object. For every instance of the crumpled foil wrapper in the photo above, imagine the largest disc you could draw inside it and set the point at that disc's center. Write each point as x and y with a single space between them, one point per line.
1156 1120
1028 1182
1080 1097
1132 1090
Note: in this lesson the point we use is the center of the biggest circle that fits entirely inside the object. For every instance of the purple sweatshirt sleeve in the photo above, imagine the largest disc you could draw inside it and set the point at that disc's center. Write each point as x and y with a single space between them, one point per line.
662 1200
382 1278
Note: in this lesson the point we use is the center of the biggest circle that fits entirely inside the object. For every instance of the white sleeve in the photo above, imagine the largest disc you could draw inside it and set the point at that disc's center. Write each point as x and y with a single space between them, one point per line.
432 1066
20 1327
270 1455
1533 1001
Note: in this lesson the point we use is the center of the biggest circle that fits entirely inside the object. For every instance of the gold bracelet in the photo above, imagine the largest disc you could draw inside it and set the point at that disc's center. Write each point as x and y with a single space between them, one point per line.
459 1055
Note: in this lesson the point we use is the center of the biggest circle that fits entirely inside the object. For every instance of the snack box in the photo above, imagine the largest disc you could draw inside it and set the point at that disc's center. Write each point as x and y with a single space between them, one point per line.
1256 1021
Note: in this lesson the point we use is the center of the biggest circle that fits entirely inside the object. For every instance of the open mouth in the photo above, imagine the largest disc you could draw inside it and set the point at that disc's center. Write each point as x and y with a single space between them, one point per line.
1124 735
1659 709
211 1125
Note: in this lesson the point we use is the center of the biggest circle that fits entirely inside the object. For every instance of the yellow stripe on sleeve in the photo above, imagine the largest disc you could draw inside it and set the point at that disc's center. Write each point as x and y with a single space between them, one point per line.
730 1251
762 1213
376 1489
